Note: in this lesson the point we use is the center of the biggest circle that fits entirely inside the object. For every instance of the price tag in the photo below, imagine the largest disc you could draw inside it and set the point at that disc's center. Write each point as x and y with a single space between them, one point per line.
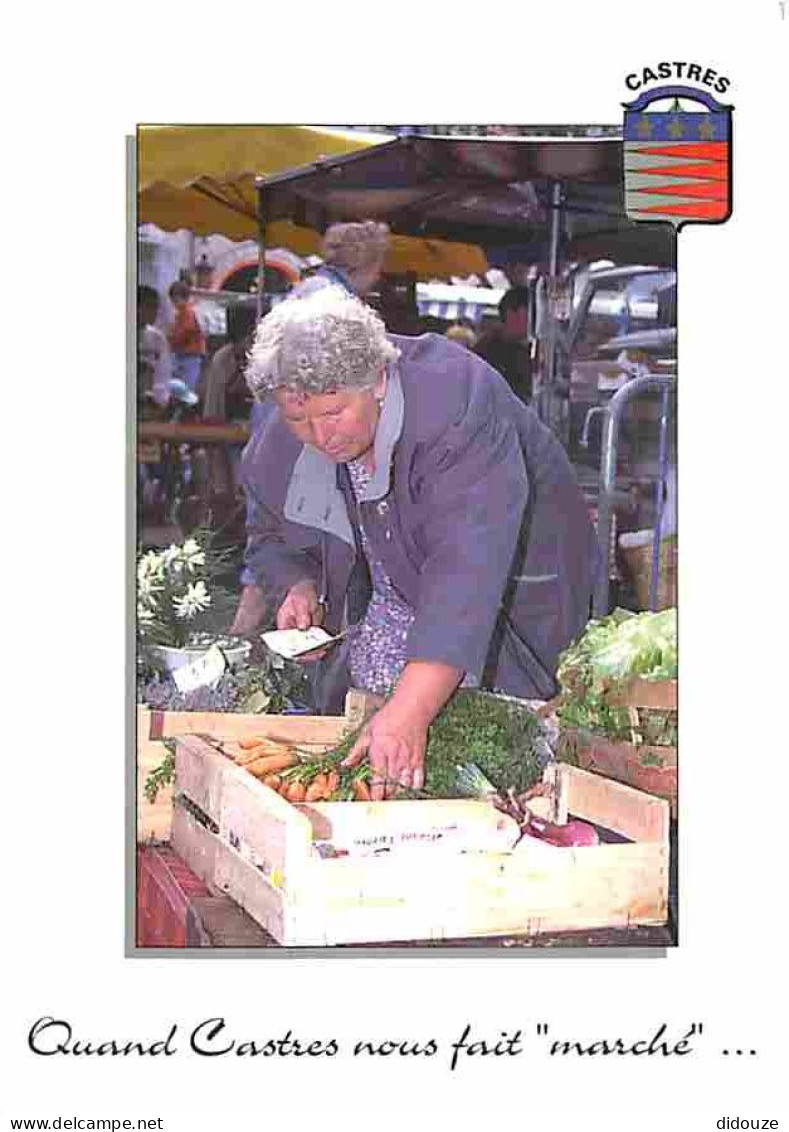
291 643
201 672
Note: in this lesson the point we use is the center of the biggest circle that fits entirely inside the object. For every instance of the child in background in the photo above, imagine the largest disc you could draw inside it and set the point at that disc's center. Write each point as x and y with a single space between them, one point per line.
185 337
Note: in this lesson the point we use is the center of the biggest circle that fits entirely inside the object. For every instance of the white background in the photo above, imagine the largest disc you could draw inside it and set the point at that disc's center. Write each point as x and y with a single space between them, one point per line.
75 84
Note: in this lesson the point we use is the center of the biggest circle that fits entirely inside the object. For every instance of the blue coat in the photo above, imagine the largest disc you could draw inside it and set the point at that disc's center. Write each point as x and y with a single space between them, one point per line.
475 514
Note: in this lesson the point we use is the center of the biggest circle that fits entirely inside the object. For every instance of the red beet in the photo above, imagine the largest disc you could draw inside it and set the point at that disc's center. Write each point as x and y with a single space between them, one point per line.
572 833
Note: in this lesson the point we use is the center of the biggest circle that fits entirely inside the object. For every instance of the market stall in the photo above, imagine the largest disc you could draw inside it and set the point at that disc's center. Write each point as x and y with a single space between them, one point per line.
202 178
522 834
556 195
526 826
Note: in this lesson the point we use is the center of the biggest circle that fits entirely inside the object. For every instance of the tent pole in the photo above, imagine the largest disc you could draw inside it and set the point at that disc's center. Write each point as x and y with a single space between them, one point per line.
261 295
553 270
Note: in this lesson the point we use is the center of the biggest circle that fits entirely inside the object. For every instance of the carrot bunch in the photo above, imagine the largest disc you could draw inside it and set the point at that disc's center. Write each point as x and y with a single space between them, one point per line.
301 776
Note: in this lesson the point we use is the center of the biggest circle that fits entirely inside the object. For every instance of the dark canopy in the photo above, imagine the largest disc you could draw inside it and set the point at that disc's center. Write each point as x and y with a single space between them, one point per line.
491 191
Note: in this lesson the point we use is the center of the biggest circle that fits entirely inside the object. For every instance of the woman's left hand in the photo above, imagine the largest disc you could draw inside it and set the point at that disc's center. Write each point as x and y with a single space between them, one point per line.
394 743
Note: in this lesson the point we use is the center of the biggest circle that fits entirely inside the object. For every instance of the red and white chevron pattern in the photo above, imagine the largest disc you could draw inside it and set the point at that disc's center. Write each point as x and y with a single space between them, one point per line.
677 181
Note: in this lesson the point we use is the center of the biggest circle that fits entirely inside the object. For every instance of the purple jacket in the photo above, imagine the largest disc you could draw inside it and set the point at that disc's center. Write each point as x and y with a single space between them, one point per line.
475 515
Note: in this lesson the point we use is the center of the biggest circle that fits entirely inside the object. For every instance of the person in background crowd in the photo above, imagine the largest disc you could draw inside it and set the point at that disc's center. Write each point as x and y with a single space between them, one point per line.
463 332
154 363
505 345
227 395
398 487
354 257
154 370
186 338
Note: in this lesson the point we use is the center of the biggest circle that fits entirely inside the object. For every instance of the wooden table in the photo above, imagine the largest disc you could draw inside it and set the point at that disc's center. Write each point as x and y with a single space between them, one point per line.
193 432
219 437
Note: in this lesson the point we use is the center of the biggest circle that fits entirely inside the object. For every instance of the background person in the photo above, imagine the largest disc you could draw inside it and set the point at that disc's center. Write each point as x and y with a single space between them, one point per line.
226 393
353 256
408 462
227 396
154 364
185 337
463 332
505 344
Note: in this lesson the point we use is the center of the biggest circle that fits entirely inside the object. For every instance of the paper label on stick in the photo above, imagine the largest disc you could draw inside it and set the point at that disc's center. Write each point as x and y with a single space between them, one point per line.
205 670
291 643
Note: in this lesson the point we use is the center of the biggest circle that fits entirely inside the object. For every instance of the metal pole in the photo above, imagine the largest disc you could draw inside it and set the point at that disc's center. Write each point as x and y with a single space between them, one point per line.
605 505
660 491
553 270
261 214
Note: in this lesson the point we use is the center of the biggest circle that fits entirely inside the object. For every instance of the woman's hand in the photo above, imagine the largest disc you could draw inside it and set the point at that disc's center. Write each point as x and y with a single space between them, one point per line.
250 613
395 739
395 745
301 608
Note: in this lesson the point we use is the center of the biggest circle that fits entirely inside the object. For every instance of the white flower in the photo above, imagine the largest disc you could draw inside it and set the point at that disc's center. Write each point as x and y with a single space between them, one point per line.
150 566
147 588
172 555
194 601
192 555
145 617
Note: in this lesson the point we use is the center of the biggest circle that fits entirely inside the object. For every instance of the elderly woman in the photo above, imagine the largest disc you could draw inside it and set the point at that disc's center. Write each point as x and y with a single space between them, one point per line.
353 258
408 460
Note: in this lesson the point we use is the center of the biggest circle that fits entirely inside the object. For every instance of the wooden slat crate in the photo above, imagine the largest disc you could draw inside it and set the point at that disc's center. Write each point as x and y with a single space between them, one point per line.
653 769
245 840
154 818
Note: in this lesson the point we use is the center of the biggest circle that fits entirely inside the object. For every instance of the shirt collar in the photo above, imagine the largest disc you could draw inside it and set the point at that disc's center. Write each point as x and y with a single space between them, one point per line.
387 434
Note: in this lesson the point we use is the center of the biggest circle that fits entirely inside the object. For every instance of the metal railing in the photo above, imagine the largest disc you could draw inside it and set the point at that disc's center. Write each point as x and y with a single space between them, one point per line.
612 416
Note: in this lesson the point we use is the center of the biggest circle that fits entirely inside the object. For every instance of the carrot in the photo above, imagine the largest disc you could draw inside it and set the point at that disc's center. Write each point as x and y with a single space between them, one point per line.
266 747
316 789
361 791
270 764
247 744
273 781
295 792
332 782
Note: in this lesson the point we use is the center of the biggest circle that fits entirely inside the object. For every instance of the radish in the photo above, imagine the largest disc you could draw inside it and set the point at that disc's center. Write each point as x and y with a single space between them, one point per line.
573 833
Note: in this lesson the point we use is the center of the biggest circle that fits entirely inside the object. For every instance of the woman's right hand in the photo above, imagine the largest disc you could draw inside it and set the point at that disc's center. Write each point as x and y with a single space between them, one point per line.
301 608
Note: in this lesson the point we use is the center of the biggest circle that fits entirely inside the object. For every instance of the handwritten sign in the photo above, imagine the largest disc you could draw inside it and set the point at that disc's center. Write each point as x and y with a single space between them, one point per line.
291 643
204 671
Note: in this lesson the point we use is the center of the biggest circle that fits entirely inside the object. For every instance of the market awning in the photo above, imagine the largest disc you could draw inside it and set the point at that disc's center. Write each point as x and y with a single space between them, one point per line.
440 300
203 178
491 191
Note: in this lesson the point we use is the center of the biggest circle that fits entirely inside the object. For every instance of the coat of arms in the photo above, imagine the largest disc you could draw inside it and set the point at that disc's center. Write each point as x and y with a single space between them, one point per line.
677 160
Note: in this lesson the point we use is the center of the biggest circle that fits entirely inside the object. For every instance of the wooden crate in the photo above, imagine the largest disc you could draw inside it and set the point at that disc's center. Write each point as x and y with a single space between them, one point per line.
650 768
245 840
154 819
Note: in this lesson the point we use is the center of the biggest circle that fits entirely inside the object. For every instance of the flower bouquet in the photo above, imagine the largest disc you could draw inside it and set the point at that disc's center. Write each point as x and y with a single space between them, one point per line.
182 609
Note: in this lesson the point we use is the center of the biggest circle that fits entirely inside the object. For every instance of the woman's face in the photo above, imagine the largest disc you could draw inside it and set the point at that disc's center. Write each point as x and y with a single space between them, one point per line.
341 424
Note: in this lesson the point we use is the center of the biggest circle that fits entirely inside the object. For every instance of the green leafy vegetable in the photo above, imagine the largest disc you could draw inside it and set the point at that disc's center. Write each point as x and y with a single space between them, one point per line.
162 775
500 736
612 650
621 646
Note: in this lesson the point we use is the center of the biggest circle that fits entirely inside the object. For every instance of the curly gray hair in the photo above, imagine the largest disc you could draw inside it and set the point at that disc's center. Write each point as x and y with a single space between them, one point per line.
325 341
355 247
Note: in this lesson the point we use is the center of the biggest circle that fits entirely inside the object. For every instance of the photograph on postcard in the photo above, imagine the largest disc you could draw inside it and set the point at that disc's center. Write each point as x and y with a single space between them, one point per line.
406 529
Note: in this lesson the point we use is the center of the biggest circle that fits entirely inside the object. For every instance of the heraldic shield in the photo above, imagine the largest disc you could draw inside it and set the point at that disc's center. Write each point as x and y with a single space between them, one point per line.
677 162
